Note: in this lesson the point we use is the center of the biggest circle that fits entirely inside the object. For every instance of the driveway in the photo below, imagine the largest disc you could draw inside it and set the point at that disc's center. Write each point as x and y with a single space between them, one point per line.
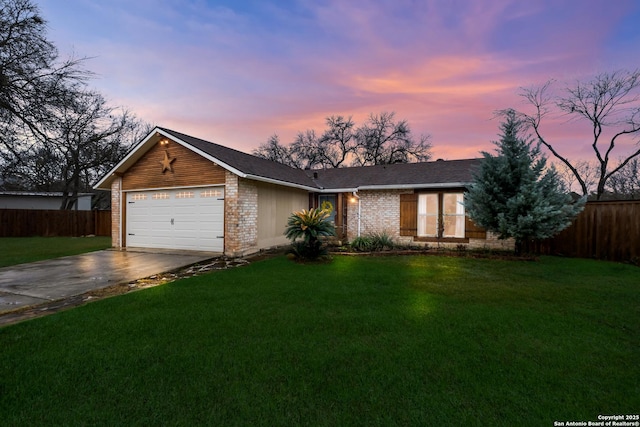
51 280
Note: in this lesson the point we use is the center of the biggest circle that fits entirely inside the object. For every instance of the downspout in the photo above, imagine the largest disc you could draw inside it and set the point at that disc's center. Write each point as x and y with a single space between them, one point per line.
355 194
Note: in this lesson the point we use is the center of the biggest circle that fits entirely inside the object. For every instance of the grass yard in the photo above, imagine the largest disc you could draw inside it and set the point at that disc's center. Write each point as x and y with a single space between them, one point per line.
406 340
18 250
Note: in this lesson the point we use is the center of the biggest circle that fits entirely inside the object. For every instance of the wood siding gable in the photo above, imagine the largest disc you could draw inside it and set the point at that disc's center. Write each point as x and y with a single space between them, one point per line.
187 169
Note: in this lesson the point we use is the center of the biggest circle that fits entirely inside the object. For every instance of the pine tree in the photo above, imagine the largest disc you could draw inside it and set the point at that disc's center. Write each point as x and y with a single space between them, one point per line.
515 195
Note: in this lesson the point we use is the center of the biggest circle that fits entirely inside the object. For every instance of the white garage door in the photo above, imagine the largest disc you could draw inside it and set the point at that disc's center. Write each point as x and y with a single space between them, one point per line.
188 218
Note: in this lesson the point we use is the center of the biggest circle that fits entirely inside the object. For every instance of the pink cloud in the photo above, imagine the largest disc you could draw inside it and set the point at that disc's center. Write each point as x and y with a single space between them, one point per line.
236 78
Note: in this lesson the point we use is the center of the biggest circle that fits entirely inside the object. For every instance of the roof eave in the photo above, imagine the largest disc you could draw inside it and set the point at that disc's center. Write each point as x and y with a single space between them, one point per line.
438 185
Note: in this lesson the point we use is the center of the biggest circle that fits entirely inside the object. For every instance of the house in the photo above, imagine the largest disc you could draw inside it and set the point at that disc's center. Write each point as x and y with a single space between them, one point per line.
175 191
41 200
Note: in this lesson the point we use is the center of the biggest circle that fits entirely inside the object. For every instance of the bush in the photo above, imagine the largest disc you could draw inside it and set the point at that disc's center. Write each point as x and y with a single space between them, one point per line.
373 242
362 244
310 225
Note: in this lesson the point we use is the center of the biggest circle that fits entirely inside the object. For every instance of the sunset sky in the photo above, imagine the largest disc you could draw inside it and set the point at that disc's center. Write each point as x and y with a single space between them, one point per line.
236 72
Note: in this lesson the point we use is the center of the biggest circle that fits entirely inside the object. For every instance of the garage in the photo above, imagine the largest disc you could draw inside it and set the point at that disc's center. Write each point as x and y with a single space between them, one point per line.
184 218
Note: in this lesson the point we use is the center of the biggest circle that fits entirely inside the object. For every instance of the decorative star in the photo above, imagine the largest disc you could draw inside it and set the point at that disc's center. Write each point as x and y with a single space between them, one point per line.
166 162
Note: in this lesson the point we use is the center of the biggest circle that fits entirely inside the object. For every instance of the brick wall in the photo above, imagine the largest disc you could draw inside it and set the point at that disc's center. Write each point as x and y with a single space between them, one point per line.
241 216
492 242
116 211
379 213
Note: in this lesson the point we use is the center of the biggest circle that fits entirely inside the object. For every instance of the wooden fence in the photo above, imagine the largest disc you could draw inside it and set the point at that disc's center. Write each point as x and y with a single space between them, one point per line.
604 230
26 223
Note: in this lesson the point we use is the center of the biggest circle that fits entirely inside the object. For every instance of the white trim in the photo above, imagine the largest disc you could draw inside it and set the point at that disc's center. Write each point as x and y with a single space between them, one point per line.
336 190
122 242
203 154
172 188
134 150
415 186
393 187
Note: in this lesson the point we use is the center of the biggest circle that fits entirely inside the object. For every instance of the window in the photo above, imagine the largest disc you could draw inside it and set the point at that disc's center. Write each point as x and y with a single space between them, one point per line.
210 193
439 215
452 215
184 195
428 215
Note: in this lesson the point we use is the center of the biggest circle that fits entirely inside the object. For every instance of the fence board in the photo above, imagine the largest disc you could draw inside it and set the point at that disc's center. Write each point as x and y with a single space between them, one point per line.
26 223
607 230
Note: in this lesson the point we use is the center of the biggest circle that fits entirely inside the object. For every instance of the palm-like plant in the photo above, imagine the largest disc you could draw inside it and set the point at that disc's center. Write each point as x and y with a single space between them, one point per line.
309 225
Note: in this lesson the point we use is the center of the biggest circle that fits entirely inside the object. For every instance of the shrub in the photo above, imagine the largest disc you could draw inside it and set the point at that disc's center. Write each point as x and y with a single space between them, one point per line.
309 225
362 244
382 241
373 242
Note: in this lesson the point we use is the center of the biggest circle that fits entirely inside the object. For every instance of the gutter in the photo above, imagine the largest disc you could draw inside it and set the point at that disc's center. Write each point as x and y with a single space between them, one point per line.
355 194
414 186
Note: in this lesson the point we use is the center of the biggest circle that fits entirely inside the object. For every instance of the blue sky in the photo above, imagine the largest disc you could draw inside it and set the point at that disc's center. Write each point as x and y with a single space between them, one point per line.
236 72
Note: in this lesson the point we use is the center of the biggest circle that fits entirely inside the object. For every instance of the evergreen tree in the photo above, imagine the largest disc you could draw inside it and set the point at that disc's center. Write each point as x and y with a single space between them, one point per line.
515 195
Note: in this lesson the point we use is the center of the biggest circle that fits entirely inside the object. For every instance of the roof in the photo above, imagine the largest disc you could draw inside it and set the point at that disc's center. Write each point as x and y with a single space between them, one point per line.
439 173
248 165
39 194
436 174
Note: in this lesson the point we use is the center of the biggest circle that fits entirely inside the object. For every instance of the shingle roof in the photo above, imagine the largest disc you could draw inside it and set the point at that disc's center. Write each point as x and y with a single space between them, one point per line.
246 163
400 174
403 175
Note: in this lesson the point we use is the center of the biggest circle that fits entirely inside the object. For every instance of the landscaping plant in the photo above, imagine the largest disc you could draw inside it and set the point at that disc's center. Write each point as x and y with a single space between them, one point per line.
514 193
373 242
305 229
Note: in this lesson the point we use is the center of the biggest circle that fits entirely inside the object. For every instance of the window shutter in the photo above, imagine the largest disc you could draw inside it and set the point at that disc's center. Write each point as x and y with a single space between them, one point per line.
408 214
473 231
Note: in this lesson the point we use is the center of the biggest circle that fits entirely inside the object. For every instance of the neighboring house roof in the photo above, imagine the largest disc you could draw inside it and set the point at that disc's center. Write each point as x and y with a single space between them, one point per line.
405 175
39 194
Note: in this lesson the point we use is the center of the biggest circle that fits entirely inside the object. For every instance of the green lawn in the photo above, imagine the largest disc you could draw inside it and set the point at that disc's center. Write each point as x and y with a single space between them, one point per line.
407 340
18 250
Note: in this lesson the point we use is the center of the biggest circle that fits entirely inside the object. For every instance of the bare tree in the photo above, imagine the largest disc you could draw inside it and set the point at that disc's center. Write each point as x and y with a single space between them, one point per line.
273 150
382 140
610 101
338 142
32 79
588 171
626 183
83 140
305 150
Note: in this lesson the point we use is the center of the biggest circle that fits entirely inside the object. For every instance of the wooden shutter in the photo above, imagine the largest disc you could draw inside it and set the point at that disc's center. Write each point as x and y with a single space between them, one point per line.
408 214
473 231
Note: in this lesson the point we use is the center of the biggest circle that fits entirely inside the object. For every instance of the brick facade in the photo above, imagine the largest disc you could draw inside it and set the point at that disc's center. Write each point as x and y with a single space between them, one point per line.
380 213
116 212
241 216
492 242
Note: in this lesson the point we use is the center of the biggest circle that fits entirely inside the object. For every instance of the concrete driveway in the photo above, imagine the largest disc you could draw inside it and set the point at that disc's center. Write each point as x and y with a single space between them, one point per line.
45 281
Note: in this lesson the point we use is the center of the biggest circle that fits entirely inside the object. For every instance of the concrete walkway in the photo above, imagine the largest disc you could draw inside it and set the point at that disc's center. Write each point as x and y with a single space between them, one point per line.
51 280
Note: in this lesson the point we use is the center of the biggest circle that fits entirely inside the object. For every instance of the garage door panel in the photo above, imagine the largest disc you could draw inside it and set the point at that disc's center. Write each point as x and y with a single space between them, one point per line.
180 219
